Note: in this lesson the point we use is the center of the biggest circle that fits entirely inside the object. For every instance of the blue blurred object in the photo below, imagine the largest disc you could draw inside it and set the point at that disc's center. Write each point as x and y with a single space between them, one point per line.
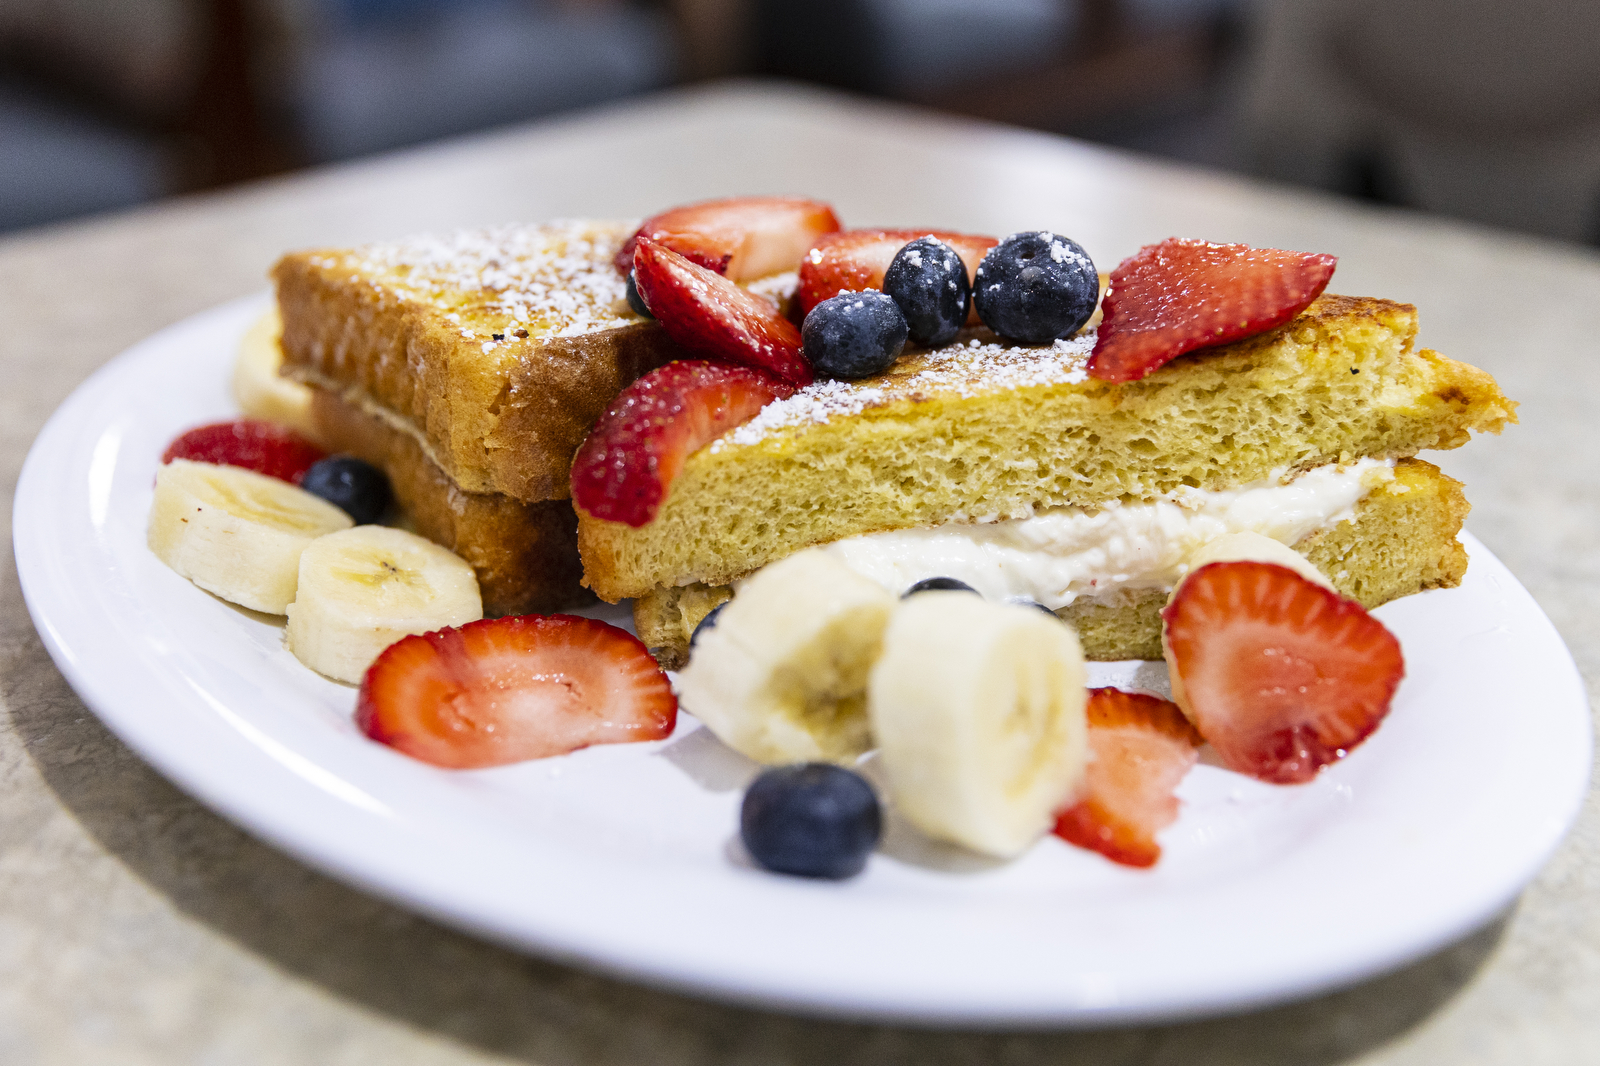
388 73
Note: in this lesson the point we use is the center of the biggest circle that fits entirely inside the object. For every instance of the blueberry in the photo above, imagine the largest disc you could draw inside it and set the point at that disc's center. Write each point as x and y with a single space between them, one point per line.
929 282
636 301
854 335
810 820
708 622
1025 602
361 489
938 584
1035 287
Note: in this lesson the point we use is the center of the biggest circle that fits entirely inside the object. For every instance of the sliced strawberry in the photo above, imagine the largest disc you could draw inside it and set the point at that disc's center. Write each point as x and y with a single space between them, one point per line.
743 238
711 316
856 259
1170 298
507 689
265 447
1281 675
625 466
1140 748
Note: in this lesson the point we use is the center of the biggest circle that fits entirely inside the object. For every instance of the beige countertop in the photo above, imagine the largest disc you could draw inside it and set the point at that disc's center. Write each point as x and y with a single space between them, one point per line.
138 927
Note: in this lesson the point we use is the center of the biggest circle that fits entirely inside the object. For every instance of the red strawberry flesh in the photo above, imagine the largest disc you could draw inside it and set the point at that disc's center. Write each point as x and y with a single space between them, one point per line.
710 316
504 690
1141 747
265 447
1280 675
744 237
1174 297
637 448
856 260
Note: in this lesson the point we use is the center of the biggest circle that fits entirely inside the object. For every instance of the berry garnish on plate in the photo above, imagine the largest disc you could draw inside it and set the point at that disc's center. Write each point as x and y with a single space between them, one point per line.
623 469
1280 675
1035 286
930 282
1170 298
265 447
507 689
854 335
360 489
636 302
743 238
857 259
938 584
810 820
712 317
1140 748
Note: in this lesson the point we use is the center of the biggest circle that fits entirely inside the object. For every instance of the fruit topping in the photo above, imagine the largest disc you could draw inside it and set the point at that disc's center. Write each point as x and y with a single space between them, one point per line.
1140 748
854 335
706 624
250 443
362 589
857 259
1280 675
236 533
1170 298
1034 287
261 391
782 678
929 281
623 469
811 820
507 689
1036 605
938 584
360 489
636 302
743 238
977 709
710 316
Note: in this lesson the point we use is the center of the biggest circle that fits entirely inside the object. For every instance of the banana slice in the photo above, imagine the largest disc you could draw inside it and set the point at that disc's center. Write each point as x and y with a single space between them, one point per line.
783 675
978 711
236 533
362 589
1232 548
257 385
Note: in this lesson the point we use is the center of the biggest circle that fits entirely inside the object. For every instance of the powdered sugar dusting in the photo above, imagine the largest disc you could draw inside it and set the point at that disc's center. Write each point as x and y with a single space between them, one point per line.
966 369
553 280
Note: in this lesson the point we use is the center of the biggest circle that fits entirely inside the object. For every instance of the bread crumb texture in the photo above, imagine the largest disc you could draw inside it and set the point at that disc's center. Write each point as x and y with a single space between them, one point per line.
984 431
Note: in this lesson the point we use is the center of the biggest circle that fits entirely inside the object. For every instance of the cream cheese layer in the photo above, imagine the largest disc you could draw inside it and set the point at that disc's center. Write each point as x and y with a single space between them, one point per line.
1062 554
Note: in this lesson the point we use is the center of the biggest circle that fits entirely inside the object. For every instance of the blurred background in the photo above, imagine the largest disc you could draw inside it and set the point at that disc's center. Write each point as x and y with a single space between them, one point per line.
1481 109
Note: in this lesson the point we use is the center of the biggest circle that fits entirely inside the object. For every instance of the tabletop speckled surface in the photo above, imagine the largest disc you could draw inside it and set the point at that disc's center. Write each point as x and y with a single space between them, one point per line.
138 927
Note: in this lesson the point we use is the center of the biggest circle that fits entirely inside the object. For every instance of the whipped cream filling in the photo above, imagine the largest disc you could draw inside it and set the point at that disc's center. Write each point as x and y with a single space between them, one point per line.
1059 555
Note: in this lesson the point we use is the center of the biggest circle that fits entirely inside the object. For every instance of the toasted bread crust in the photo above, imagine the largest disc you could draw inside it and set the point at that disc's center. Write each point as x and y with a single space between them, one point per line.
524 554
497 415
1402 539
1339 382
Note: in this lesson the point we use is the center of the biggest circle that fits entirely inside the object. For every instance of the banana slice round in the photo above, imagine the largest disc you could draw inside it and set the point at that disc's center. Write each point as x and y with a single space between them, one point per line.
978 711
362 589
236 533
783 675
261 391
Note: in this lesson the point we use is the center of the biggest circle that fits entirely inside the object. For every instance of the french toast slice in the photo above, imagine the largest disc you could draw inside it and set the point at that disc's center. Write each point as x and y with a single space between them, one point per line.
981 431
493 350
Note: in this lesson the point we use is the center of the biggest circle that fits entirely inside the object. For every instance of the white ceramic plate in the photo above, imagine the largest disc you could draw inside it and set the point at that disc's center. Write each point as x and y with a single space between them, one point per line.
624 857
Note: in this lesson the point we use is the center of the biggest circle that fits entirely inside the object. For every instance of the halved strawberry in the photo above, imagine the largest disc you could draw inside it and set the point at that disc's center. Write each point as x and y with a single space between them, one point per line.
1170 298
636 448
1281 675
502 690
743 238
856 259
711 316
1140 748
265 447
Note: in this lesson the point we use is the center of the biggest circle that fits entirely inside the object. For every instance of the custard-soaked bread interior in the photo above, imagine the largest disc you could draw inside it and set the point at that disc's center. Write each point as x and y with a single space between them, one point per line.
525 555
1401 539
494 349
984 431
